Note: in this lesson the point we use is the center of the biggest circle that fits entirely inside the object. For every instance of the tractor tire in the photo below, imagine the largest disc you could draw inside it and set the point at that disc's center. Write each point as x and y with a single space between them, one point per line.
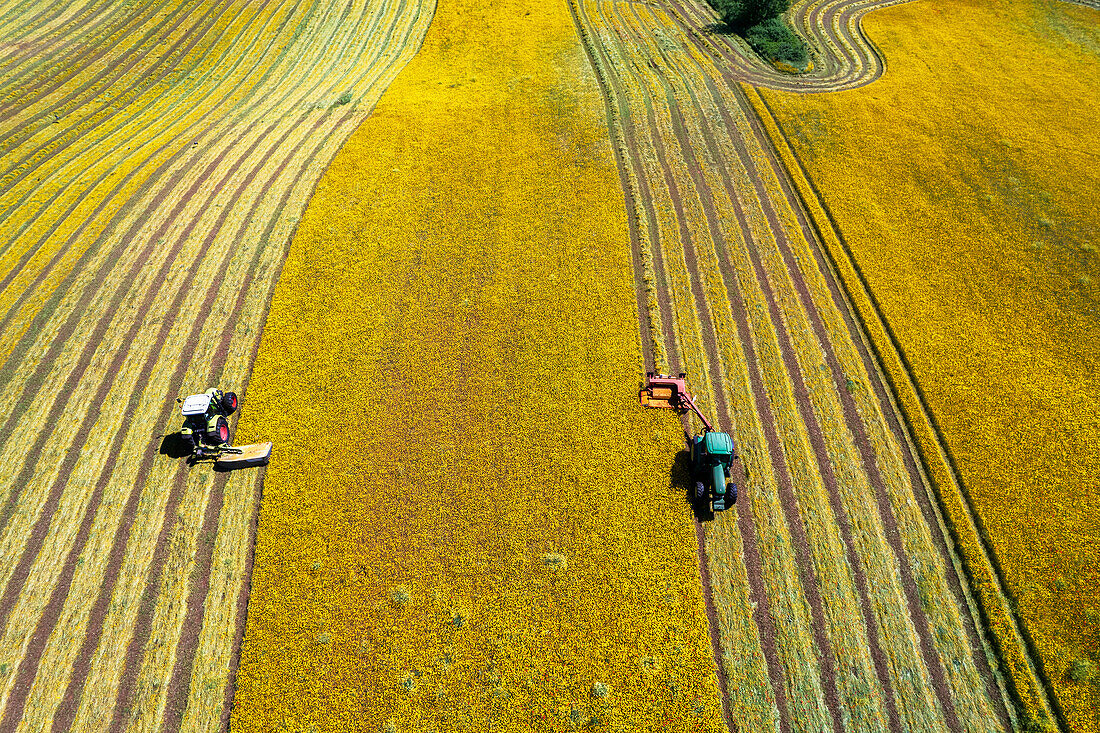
700 490
731 493
230 402
220 435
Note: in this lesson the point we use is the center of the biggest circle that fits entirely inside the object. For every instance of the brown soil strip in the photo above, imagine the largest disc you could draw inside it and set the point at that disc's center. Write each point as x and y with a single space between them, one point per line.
619 117
645 327
890 528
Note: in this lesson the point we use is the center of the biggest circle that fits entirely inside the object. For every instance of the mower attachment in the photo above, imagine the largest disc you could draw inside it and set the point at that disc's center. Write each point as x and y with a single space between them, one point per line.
664 392
669 393
244 456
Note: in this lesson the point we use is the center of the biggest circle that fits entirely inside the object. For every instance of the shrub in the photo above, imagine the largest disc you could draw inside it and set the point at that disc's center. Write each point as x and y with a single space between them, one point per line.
741 15
760 22
774 40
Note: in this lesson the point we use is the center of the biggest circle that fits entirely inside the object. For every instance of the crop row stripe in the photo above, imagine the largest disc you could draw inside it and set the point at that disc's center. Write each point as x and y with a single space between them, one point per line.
758 645
820 447
95 75
826 695
688 243
135 185
952 636
795 528
152 197
58 42
167 596
848 59
723 108
155 107
113 142
825 557
772 703
44 20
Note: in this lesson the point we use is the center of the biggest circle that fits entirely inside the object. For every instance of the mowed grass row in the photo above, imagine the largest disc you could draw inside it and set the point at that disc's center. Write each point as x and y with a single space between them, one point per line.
480 531
841 57
751 697
715 175
123 594
996 344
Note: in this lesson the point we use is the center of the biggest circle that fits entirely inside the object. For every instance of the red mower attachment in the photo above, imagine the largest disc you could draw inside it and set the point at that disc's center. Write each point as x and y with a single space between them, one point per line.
669 393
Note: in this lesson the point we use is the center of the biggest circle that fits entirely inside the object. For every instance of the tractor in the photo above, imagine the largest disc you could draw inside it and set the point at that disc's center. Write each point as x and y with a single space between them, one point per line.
712 452
206 427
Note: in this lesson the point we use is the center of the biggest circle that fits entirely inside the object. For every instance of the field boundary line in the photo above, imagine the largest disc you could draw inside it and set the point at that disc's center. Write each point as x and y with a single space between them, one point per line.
1012 644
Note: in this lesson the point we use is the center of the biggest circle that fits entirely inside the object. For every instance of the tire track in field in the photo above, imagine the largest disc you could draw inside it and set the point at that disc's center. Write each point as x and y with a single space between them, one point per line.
106 493
691 90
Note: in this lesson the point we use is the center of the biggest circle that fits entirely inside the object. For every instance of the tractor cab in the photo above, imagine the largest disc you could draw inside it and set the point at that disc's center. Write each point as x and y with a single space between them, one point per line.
712 457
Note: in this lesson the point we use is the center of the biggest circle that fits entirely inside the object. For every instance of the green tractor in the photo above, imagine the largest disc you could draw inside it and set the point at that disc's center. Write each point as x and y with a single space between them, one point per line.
712 452
712 459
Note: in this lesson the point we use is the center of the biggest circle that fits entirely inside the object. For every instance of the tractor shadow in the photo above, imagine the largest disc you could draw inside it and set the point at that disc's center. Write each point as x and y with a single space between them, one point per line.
682 483
175 445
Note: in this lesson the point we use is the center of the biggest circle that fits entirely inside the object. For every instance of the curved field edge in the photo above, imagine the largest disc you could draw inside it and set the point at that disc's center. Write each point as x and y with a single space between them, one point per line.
124 597
480 528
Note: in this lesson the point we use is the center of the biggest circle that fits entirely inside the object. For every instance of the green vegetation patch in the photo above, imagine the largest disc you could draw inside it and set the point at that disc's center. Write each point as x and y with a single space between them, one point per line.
761 24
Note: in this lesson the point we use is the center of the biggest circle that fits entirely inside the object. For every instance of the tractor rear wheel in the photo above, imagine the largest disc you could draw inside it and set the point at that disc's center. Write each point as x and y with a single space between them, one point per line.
230 402
221 431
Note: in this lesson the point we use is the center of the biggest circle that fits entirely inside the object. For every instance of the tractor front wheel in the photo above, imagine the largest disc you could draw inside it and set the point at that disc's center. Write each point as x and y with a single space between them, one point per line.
700 490
230 402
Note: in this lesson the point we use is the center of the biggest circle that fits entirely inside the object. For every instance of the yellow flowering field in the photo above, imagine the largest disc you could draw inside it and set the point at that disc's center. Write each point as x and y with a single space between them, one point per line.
963 183
469 524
